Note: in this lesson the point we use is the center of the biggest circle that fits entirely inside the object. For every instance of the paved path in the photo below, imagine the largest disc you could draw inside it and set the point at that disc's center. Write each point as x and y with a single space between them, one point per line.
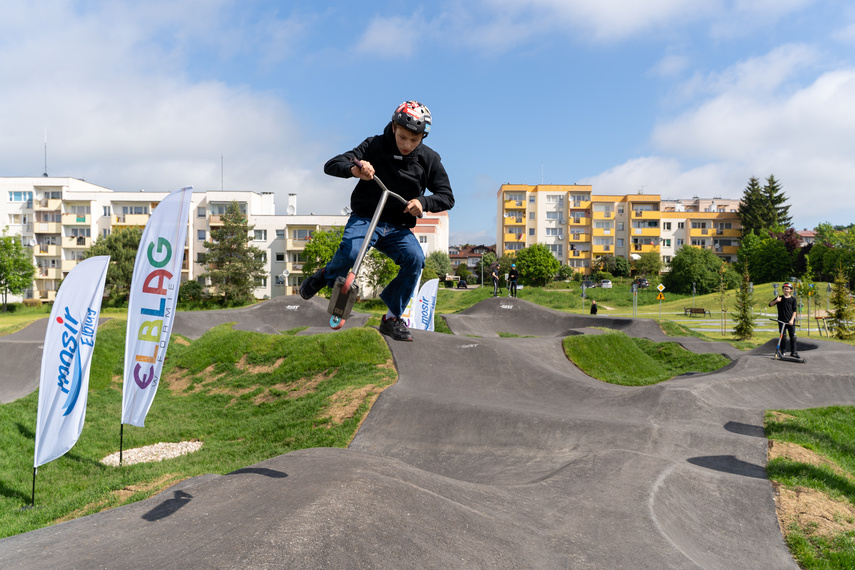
492 453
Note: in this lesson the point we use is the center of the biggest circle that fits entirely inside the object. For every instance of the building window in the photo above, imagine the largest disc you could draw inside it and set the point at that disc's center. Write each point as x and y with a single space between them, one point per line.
106 210
200 258
280 256
681 225
135 210
260 235
679 243
531 199
620 209
531 215
551 231
261 282
666 225
280 234
200 212
200 235
666 242
82 210
422 239
619 242
301 234
511 246
105 232
551 215
619 226
17 196
531 231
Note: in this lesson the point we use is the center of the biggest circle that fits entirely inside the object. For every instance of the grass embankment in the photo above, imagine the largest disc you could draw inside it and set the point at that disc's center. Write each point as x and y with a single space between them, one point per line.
247 396
616 358
812 465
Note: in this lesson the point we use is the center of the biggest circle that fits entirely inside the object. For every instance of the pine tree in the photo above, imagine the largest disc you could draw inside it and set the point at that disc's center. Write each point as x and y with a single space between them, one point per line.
776 199
842 313
233 264
744 316
755 213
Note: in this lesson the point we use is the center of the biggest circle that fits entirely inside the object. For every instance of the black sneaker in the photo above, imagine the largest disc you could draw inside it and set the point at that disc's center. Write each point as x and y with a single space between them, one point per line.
396 329
794 355
312 284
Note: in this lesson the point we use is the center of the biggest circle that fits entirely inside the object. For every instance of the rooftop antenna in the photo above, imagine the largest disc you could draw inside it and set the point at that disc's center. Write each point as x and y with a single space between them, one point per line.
45 172
541 172
222 172
641 190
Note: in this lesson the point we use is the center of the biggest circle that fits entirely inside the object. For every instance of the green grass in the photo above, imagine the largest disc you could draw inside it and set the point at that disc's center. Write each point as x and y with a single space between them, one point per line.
829 432
616 358
242 415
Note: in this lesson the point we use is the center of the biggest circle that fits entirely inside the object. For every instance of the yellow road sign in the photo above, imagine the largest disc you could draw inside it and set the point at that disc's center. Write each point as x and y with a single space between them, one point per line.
660 296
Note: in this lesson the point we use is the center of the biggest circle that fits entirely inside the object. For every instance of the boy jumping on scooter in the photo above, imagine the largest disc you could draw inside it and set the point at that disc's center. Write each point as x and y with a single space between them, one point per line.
787 315
407 167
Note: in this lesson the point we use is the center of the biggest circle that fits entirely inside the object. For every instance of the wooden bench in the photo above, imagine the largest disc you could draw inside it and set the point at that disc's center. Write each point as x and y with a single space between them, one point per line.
691 311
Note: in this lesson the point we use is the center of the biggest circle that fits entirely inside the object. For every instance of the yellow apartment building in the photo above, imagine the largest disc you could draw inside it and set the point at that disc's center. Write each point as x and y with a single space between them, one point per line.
579 226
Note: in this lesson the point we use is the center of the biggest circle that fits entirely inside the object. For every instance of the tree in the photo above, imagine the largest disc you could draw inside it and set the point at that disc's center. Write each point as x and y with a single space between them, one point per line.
748 249
649 263
378 269
16 266
755 213
536 264
234 265
693 265
772 262
439 262
121 245
842 315
744 316
321 248
617 266
776 199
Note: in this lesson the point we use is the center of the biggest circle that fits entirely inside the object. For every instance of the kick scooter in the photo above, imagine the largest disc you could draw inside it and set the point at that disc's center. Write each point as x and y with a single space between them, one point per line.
780 355
346 290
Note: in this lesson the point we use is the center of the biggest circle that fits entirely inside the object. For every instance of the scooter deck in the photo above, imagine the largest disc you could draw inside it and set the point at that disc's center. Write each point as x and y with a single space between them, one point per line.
785 358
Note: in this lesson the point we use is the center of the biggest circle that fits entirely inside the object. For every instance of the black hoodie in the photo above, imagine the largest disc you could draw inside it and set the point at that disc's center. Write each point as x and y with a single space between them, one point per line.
408 176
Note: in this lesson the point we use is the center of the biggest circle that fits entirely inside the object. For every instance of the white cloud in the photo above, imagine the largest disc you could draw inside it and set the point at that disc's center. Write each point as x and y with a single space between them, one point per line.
760 118
121 112
389 37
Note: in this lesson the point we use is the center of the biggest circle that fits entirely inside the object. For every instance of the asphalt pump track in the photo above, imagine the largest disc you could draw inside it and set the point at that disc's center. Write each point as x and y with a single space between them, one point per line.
488 452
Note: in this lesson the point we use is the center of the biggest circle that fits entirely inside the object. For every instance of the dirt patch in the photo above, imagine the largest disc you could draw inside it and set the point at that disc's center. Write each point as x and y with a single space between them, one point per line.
343 404
181 340
242 365
813 511
293 390
122 495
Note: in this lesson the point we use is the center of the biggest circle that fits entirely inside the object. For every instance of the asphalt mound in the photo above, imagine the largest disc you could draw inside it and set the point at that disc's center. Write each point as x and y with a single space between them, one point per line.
494 453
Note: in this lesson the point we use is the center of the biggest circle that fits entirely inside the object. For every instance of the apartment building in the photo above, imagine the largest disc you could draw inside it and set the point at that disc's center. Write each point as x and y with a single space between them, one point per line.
60 218
579 226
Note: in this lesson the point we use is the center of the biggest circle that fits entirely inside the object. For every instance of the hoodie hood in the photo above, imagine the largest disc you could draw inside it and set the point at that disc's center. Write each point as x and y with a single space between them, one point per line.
392 146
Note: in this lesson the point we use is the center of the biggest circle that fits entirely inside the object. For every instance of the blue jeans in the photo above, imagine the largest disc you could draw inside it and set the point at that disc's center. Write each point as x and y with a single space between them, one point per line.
399 244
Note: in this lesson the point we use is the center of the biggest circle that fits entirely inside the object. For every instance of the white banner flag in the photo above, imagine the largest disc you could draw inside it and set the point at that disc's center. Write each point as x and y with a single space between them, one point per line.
151 307
69 341
424 306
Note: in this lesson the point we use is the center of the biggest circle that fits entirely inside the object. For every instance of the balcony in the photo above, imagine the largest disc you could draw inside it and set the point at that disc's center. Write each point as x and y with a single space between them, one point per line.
76 242
644 248
579 204
76 219
46 205
604 215
43 250
69 264
728 233
514 237
298 244
514 204
44 296
48 273
215 220
601 232
578 254
646 215
727 249
511 221
602 249
645 232
47 227
294 266
130 220
579 221
701 232
578 238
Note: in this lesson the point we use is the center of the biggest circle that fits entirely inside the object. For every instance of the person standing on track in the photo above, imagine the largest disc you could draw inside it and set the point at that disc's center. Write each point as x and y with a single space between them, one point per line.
513 275
787 311
407 167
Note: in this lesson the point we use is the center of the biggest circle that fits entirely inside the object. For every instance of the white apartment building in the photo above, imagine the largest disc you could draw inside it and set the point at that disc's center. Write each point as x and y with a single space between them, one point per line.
60 218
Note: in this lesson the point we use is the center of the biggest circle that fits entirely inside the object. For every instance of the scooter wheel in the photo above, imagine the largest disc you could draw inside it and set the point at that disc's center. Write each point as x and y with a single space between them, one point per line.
336 322
348 283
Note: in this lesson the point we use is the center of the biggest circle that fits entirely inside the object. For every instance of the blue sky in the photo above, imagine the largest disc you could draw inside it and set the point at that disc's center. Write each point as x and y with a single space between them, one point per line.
670 97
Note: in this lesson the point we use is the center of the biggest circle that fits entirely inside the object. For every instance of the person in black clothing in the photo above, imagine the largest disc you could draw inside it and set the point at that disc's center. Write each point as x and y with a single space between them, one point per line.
495 275
513 275
407 167
593 306
787 307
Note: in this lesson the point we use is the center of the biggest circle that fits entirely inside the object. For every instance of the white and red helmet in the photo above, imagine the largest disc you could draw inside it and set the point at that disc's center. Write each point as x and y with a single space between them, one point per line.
413 116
